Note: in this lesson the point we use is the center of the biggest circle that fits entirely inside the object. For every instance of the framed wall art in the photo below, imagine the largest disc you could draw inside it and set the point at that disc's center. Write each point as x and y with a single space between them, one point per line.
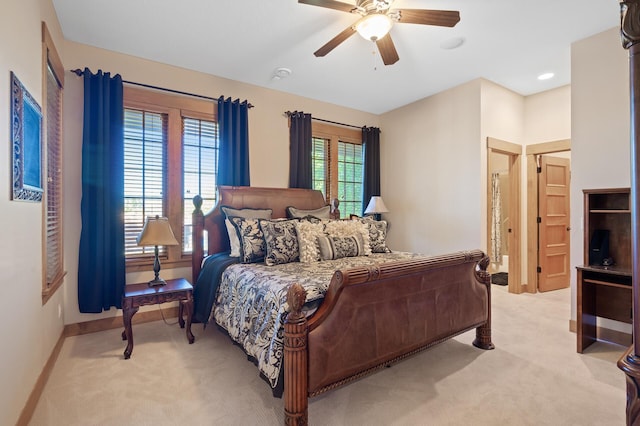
26 135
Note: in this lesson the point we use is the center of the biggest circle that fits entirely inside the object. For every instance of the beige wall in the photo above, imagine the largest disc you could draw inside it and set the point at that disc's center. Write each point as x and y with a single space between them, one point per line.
600 131
29 330
438 196
268 135
547 116
430 168
503 118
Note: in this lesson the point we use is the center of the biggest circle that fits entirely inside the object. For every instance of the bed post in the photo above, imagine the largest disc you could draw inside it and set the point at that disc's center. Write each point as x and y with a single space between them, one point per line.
334 212
483 333
197 253
630 361
296 397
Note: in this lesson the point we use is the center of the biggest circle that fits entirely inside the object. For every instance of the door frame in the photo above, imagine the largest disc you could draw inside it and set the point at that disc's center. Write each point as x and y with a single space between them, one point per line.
532 204
514 152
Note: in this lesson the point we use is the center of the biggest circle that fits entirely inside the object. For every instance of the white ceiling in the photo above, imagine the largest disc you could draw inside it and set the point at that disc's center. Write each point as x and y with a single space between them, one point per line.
509 42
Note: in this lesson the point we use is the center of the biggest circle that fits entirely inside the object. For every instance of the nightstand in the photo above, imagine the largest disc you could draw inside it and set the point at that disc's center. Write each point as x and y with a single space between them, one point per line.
141 294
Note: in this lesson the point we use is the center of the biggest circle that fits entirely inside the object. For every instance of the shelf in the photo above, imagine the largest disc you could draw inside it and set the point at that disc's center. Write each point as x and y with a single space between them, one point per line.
604 291
608 270
608 283
616 211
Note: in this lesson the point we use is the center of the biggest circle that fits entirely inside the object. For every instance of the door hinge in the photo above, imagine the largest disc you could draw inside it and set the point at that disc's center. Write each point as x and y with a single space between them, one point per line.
539 169
539 219
539 269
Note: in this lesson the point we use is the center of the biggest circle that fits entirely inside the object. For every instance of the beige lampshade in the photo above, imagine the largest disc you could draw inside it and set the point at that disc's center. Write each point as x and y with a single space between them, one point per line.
376 206
156 232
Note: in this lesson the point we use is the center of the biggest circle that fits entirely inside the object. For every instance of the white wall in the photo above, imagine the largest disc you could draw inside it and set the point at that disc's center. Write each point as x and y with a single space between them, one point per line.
29 330
268 138
600 154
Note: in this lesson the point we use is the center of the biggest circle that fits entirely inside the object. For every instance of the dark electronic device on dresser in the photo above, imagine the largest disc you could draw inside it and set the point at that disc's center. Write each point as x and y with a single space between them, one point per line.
599 247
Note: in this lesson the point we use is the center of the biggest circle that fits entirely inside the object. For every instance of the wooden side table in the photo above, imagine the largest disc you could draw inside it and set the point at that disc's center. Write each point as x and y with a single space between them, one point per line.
141 294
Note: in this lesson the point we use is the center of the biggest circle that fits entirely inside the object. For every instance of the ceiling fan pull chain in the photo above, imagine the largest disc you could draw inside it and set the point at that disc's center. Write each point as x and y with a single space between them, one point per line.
374 57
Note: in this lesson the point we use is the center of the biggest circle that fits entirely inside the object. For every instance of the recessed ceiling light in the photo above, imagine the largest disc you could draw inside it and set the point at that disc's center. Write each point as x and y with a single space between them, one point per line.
281 73
546 76
452 43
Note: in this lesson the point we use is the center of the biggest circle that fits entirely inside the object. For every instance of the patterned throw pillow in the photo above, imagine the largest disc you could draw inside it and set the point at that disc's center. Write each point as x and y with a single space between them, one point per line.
308 233
377 230
339 247
252 246
234 241
347 228
281 241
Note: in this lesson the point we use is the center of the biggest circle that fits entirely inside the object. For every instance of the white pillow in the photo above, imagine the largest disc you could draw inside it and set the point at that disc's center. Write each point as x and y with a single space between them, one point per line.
308 233
234 241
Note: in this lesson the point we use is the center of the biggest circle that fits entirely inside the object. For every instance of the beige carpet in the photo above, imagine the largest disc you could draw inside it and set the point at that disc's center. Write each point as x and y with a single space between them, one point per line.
533 377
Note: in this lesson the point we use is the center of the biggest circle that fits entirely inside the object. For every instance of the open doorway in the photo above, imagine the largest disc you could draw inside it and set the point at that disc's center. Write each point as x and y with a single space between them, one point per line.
500 218
503 213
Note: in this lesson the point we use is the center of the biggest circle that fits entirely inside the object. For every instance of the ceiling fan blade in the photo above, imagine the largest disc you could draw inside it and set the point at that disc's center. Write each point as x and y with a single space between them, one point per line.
331 4
387 50
334 42
442 18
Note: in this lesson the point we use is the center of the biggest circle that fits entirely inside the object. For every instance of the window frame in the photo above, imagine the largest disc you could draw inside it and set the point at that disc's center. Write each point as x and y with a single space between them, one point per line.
51 60
334 134
175 107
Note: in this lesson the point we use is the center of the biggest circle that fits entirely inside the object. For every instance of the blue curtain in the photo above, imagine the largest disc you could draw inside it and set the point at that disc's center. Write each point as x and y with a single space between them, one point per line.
300 144
233 155
371 146
101 265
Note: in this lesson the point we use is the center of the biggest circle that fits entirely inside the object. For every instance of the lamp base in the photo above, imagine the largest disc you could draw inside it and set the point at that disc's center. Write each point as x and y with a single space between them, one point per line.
157 282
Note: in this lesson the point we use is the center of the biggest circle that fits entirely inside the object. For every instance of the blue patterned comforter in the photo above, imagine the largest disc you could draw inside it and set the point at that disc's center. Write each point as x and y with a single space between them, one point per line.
251 301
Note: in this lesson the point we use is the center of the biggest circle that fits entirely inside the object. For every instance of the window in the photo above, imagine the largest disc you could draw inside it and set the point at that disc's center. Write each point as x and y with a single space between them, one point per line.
319 159
200 159
145 135
350 164
338 166
53 262
171 155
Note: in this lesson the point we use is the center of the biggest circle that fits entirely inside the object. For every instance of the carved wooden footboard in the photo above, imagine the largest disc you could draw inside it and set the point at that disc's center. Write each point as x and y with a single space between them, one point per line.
372 317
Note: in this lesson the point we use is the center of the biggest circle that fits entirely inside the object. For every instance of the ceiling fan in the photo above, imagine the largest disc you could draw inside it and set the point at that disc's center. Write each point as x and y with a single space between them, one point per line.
377 19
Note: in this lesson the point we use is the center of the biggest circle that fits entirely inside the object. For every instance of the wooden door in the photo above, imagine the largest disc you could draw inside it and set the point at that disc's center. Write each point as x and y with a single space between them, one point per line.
554 221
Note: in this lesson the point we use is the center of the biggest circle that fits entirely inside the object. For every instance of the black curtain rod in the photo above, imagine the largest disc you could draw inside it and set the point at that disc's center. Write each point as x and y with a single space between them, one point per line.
289 113
79 73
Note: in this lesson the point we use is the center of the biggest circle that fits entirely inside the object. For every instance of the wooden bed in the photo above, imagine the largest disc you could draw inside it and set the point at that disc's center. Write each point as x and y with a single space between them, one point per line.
371 316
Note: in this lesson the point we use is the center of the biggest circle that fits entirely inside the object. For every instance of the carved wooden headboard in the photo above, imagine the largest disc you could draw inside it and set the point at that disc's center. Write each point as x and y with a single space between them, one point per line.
277 199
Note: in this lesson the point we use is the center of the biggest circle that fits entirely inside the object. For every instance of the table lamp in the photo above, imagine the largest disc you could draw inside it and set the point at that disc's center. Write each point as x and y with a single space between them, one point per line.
156 232
376 207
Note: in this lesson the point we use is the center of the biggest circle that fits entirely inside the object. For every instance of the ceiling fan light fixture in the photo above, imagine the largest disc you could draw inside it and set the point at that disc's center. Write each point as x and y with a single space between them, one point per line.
374 26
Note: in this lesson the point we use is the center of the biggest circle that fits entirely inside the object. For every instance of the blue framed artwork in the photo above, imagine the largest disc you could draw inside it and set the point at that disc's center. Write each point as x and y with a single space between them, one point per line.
26 135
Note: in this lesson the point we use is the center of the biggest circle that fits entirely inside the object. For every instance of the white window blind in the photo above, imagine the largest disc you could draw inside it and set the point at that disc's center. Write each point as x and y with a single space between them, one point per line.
200 164
54 259
320 161
350 178
145 135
